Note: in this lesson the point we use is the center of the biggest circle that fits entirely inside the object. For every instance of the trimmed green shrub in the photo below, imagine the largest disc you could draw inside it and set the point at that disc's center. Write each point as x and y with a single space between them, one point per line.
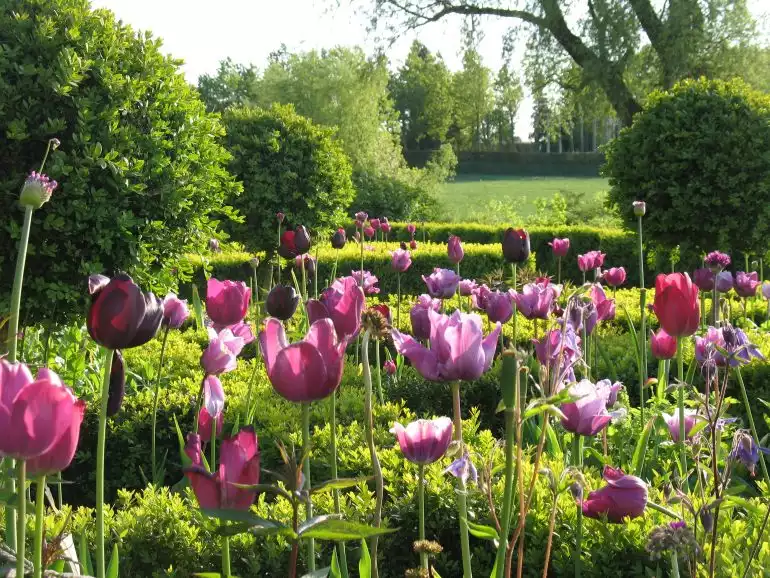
697 155
287 164
141 175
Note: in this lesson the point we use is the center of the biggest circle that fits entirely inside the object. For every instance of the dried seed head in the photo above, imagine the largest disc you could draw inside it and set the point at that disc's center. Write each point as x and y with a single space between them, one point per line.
375 322
427 547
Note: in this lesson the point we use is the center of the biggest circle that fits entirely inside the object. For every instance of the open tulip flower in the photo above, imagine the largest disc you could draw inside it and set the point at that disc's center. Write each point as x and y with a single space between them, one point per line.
175 311
121 314
442 283
605 307
305 371
615 276
424 441
458 348
400 260
704 279
672 422
212 411
560 247
238 466
221 354
587 415
343 303
676 304
746 284
368 282
623 497
536 299
419 315
467 287
498 306
227 302
559 350
40 418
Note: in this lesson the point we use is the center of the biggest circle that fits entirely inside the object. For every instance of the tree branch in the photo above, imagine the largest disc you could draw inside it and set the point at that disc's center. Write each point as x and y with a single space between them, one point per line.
651 23
466 10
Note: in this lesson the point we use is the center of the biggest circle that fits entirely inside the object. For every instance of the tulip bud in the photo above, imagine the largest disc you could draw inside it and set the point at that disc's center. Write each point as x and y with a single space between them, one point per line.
301 239
390 367
640 208
369 231
410 228
339 239
577 491
117 384
254 262
282 302
374 223
455 249
37 190
361 217
307 262
55 143
516 245
412 244
280 217
707 519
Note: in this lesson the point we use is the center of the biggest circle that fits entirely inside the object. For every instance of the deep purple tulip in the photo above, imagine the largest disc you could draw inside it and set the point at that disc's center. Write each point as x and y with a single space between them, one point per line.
587 415
302 241
623 497
339 239
605 307
724 281
307 370
400 260
455 249
663 346
282 302
515 245
306 262
222 352
424 441
704 279
227 302
560 247
419 315
615 277
442 283
458 348
536 299
746 283
212 412
238 466
672 422
369 283
343 303
467 287
498 306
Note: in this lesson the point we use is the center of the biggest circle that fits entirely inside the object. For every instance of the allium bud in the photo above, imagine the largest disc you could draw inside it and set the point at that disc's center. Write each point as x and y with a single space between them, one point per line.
55 143
640 208
37 190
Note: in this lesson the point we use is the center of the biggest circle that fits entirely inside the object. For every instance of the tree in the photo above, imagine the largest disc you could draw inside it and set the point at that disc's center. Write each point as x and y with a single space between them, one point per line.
508 95
687 37
232 85
422 95
473 100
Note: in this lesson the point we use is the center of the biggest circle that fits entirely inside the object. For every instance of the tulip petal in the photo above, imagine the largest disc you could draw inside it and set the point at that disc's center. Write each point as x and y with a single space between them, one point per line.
60 455
13 378
466 358
316 310
205 486
41 414
193 449
489 345
213 396
271 341
423 359
150 323
239 464
299 373
323 336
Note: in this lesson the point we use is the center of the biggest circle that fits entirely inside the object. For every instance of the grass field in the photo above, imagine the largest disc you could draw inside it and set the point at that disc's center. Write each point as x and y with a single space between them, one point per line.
469 194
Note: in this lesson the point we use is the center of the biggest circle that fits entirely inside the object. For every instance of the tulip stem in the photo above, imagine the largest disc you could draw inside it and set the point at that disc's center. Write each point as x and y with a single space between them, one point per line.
39 523
715 299
21 521
337 509
100 456
379 371
682 435
156 397
421 512
750 417
577 461
226 556
306 446
459 297
377 470
642 346
558 270
509 382
398 309
462 505
514 273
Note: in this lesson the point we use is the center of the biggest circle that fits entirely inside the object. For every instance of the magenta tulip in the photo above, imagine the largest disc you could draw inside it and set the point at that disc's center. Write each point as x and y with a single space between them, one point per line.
458 348
590 261
605 307
676 304
623 497
587 415
498 306
455 249
560 247
536 299
704 279
385 225
369 282
175 311
615 277
40 418
369 231
467 287
746 283
663 346
238 466
343 303
424 441
243 330
419 315
221 354
442 283
227 302
305 371
374 223
389 366
672 422
410 228
400 260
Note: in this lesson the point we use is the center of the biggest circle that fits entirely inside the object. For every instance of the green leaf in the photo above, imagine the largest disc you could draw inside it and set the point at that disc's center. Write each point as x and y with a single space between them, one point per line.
482 531
207 575
320 573
637 462
198 307
365 562
330 528
86 567
248 521
113 568
334 569
186 461
338 484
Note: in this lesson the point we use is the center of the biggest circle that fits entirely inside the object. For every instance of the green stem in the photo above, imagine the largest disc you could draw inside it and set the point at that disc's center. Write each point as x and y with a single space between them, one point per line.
226 556
21 521
641 256
379 371
674 565
100 456
462 505
398 310
459 297
39 523
682 435
336 262
278 257
664 510
421 512
702 311
156 397
514 337
377 470
577 461
558 270
642 348
333 428
715 304
750 417
508 491
306 445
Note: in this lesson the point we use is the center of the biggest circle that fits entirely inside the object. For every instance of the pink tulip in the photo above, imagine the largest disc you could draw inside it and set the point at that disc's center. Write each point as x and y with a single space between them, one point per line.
615 277
467 287
385 225
560 247
590 261
455 249
672 422
746 283
227 302
39 418
308 370
238 464
390 367
498 306
587 415
369 282
213 408
221 354
623 497
175 311
374 224
458 348
419 315
243 330
605 307
536 299
400 260
663 346
369 231
703 278
410 228
442 283
343 303
424 441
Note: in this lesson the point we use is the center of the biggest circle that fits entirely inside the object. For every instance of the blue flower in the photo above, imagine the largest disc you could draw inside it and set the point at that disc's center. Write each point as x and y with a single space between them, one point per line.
463 468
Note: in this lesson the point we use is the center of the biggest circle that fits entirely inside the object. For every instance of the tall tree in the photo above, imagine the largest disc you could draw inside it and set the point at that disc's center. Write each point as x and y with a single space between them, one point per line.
508 95
233 84
601 38
473 100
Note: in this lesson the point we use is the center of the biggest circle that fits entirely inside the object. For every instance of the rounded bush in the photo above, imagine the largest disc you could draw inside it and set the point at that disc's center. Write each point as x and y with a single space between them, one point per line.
288 165
698 156
141 173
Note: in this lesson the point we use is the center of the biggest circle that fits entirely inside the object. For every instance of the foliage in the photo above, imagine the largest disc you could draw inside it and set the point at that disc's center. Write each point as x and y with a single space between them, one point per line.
697 156
287 164
142 176
473 100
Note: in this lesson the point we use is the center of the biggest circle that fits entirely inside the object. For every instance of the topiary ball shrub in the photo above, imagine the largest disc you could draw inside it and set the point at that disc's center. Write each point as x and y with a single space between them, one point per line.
288 165
141 172
698 155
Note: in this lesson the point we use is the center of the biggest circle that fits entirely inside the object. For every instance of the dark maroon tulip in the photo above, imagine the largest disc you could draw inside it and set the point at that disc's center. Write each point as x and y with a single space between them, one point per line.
301 239
121 315
288 249
412 244
339 239
282 302
516 245
117 384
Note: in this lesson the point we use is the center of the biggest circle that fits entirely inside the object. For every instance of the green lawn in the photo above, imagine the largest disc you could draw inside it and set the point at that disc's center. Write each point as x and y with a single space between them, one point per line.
469 194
